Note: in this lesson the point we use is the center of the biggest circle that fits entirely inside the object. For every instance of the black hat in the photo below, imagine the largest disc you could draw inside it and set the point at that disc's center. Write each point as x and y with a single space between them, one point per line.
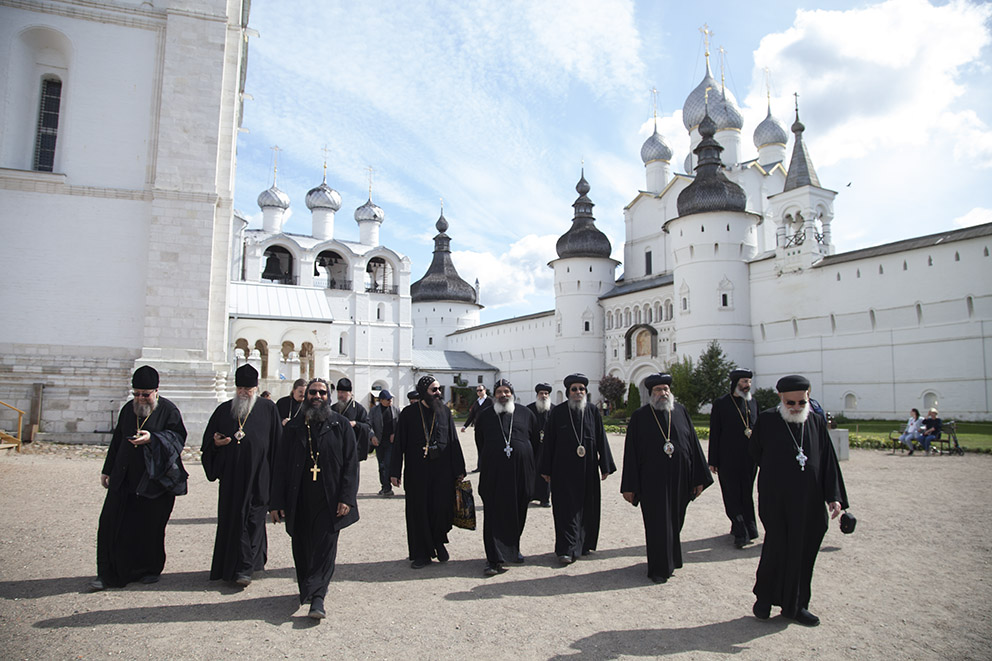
145 378
739 374
792 383
413 395
543 387
246 376
424 383
385 394
503 382
657 380
576 378
344 384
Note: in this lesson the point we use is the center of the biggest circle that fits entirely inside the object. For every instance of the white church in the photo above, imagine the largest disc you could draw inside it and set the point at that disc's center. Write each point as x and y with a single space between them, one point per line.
130 179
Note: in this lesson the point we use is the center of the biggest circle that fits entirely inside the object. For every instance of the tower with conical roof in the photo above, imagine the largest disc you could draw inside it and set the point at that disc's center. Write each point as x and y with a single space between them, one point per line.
803 211
441 301
712 239
584 271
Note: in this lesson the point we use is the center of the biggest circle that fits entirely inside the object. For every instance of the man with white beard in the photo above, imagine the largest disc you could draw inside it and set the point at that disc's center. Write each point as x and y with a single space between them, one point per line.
238 444
143 474
663 470
731 422
797 473
541 408
507 434
576 458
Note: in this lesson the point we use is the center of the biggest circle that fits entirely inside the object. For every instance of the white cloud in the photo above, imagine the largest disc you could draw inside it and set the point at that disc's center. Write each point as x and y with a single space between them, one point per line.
977 216
514 276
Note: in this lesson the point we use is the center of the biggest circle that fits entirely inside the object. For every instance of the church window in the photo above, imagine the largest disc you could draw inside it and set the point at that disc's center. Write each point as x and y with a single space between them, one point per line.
430 341
728 227
957 257
637 315
919 313
724 300
850 401
673 348
263 349
609 320
585 326
986 251
905 267
48 125
833 323
590 269
763 336
970 302
614 353
929 261
795 327
647 314
692 251
647 262
880 270
930 400
685 304
480 379
716 249
702 228
838 276
858 273
379 311
871 318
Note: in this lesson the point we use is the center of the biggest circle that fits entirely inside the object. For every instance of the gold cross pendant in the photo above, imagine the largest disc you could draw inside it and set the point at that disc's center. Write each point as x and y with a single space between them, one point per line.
314 470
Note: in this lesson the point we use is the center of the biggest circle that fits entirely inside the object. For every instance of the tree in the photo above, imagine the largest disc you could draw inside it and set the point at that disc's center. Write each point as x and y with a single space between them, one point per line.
684 384
633 398
612 389
766 397
712 374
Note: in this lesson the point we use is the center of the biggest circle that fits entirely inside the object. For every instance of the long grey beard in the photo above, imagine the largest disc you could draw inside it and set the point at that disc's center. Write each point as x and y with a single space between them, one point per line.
663 402
577 406
317 413
796 418
746 396
340 407
240 408
542 405
144 410
504 408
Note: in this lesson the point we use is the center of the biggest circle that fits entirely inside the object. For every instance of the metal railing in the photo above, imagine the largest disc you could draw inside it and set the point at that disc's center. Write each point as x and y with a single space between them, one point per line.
332 283
8 440
382 289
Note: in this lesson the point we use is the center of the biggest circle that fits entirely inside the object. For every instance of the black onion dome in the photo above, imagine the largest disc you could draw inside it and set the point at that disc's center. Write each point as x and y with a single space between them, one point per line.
711 190
442 282
583 239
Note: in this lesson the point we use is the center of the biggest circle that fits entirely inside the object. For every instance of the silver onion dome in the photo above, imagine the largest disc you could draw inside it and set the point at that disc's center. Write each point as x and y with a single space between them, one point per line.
655 149
273 197
369 211
770 132
722 105
323 197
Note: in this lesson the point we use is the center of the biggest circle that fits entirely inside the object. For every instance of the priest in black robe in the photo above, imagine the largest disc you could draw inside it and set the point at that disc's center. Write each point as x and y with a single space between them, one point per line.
291 406
798 472
315 491
507 434
731 421
238 443
541 408
143 473
575 458
664 468
357 417
427 442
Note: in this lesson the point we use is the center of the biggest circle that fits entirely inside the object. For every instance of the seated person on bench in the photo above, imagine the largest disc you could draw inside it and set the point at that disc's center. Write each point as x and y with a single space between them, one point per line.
912 433
931 430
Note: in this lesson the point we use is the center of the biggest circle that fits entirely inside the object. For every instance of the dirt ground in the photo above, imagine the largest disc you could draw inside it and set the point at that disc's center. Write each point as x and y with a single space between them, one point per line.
913 582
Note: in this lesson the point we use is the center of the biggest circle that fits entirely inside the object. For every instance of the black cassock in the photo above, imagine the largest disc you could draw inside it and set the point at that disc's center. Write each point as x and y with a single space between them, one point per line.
429 483
575 480
505 481
663 484
542 490
289 407
729 454
356 413
243 468
791 504
311 505
144 483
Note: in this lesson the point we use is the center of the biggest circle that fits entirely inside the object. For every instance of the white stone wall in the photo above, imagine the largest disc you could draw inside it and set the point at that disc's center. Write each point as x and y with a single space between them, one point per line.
434 321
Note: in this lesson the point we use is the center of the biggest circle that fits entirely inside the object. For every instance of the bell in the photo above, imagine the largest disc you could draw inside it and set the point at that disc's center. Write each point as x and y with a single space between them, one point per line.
273 271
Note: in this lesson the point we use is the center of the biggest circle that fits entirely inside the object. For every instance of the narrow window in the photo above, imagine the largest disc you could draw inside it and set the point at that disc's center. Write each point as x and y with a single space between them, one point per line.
48 125
430 340
586 326
723 300
647 262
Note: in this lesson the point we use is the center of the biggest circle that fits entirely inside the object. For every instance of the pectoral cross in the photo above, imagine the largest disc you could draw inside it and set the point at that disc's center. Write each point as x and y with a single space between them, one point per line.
314 470
801 458
508 450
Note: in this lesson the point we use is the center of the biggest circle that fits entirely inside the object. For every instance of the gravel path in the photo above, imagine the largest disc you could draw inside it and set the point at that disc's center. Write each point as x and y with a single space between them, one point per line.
912 583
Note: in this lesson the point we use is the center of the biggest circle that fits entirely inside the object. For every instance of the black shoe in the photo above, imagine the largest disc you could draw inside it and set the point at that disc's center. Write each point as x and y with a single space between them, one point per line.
244 580
740 542
805 618
587 552
419 564
566 559
762 609
490 570
546 504
387 493
520 559
752 531
317 609
150 578
910 454
97 584
442 554
659 579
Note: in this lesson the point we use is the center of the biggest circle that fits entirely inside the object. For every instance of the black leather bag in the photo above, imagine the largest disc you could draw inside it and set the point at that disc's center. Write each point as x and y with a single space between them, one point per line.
847 523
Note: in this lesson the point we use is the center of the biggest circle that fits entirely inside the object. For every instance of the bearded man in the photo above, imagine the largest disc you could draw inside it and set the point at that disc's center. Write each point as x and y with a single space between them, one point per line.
731 422
238 443
575 459
541 408
427 442
315 491
797 473
357 417
507 434
143 474
664 468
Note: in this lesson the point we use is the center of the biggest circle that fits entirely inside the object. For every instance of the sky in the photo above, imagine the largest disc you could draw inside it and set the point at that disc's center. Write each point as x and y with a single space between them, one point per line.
496 106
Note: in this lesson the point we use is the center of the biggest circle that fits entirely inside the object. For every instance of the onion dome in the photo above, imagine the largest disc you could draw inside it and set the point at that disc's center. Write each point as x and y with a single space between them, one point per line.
801 172
583 239
770 131
442 282
655 148
687 163
722 105
273 197
711 190
369 211
323 197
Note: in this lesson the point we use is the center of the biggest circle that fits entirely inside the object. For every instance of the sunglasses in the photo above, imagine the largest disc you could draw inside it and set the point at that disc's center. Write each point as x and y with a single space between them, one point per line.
141 393
801 402
577 389
434 389
313 392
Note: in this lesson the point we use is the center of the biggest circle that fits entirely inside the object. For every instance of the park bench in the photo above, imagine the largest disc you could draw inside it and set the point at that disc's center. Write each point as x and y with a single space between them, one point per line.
948 435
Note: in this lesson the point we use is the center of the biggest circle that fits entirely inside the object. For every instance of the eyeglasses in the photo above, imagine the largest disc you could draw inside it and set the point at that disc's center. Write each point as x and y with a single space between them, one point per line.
801 402
313 392
434 389
577 389
143 393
